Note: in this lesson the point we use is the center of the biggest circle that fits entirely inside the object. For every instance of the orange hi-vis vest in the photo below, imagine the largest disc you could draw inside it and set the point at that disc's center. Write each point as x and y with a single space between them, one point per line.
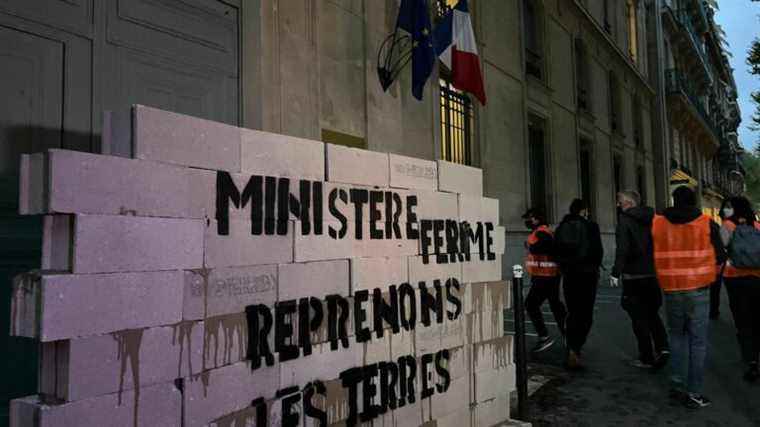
684 257
540 265
730 270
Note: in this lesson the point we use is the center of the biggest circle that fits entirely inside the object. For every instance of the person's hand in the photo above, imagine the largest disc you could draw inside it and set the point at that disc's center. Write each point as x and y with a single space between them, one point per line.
614 282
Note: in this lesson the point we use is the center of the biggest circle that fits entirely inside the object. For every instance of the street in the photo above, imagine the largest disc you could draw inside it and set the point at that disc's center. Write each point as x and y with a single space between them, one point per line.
611 393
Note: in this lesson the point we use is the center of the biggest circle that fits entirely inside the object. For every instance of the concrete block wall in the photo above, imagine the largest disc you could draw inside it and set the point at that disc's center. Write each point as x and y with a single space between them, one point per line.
141 304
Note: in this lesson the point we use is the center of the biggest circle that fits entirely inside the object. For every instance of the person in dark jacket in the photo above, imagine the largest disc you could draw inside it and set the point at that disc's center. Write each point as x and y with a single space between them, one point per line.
726 212
579 253
545 278
634 266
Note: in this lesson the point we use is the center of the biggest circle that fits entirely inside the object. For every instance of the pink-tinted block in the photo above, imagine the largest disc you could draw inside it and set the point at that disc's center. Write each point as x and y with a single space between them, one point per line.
456 398
218 392
478 209
241 248
371 273
462 417
436 205
56 242
25 313
316 279
95 184
220 291
356 166
485 297
491 355
75 305
456 178
124 360
158 405
411 172
484 326
265 153
225 340
32 184
419 271
107 243
322 364
184 140
476 270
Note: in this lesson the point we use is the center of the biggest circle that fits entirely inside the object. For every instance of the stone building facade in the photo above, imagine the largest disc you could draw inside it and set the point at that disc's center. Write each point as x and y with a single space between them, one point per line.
578 98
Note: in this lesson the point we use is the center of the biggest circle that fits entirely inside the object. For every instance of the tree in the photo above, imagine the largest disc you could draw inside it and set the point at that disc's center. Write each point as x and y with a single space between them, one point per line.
753 60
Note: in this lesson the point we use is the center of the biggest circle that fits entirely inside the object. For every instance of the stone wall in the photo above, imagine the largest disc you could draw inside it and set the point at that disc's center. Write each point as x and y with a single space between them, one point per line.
225 276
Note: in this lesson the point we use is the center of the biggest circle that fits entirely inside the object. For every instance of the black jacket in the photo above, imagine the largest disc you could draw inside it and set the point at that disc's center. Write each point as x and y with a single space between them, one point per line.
633 236
689 214
578 244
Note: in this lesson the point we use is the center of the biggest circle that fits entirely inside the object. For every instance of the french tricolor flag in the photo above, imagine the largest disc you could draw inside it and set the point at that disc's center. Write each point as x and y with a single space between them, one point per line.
455 46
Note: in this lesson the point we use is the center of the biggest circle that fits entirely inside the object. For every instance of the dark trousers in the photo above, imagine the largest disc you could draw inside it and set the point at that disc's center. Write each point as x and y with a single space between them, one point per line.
541 289
642 300
744 298
580 296
715 297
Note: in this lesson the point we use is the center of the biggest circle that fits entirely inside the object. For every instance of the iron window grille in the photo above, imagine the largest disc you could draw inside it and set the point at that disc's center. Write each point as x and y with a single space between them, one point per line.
456 124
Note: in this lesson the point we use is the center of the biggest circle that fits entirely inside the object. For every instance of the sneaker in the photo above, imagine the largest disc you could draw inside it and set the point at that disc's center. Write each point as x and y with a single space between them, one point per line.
661 360
636 363
696 401
752 374
543 343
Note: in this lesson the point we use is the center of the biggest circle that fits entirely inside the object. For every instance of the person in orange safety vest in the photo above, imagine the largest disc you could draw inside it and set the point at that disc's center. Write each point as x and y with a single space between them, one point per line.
687 252
743 287
545 278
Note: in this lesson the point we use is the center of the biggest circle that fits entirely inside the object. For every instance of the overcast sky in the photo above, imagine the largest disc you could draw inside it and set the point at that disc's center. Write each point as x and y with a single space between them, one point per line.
740 21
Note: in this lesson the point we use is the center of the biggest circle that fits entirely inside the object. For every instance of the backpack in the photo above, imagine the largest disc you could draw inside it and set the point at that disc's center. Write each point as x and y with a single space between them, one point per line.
571 242
744 249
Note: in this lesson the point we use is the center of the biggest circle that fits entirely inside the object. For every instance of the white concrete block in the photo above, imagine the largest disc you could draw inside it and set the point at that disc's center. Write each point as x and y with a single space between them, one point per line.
158 405
485 297
436 205
492 412
217 392
221 291
456 178
32 184
241 248
264 153
184 140
111 243
411 172
478 209
476 270
492 355
300 280
357 166
371 273
120 301
419 271
323 364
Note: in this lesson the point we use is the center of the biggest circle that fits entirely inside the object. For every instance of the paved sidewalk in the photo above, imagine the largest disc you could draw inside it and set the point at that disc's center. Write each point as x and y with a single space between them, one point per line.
611 393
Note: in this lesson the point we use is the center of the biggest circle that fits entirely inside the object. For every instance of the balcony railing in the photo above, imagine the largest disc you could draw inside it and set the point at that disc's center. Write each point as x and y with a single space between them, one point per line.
676 83
684 18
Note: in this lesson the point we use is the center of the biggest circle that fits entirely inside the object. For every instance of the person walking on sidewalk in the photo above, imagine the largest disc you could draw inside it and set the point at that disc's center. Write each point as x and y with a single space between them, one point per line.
726 211
743 281
545 278
579 254
634 266
687 252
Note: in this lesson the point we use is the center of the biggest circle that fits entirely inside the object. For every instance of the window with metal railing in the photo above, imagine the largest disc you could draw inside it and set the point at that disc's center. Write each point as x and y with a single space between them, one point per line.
534 61
456 124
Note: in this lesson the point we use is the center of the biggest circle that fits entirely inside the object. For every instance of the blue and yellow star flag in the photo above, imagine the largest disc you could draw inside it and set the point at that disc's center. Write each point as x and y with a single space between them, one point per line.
414 18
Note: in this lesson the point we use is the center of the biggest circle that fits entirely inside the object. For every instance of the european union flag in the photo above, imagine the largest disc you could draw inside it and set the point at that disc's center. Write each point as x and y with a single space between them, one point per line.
414 18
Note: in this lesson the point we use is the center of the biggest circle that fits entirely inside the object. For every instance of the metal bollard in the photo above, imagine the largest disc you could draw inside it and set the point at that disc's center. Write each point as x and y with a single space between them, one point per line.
521 360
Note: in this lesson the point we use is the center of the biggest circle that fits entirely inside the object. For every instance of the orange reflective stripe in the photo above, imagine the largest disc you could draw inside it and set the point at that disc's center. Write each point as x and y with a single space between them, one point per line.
696 271
685 254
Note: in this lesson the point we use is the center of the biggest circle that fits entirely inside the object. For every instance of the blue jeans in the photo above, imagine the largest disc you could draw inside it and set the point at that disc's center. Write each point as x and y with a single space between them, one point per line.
687 323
